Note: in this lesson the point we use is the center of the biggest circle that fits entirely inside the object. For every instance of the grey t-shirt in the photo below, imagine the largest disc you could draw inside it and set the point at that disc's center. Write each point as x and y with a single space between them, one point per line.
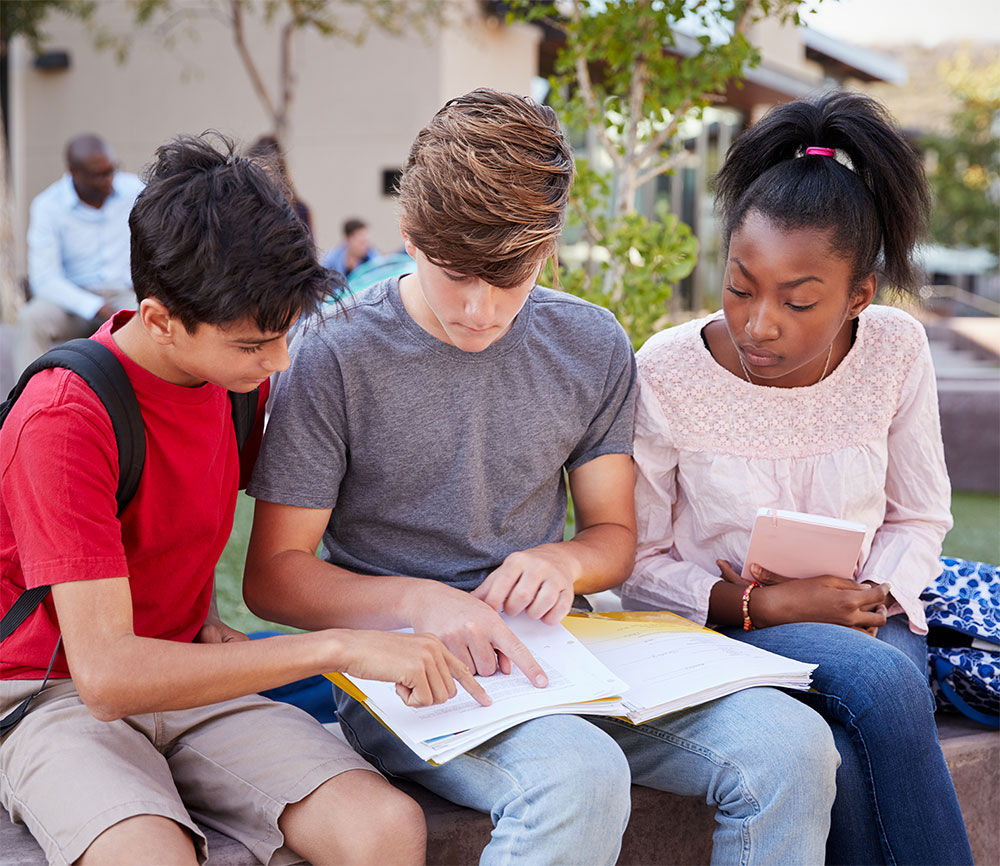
438 463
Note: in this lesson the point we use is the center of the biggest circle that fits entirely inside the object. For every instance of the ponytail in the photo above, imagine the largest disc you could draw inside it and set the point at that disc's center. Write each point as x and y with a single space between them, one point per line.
872 193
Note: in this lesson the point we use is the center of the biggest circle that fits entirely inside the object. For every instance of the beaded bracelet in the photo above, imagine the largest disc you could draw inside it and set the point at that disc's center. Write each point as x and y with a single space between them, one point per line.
747 622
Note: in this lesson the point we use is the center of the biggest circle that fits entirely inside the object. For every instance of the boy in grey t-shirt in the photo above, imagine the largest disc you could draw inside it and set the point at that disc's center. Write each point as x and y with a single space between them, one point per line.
426 438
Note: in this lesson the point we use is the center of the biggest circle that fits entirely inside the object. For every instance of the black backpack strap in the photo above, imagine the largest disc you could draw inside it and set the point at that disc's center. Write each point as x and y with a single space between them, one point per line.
244 414
8 722
24 604
101 370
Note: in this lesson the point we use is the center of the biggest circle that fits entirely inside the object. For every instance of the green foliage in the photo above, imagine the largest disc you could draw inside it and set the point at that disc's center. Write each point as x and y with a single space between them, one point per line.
631 73
624 37
657 255
965 174
26 17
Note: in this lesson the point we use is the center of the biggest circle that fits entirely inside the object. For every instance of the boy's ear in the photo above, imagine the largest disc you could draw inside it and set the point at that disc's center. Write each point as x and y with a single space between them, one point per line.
862 296
408 245
157 321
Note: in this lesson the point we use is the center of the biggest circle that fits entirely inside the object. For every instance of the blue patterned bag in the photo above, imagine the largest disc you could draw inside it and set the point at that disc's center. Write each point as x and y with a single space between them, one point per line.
963 617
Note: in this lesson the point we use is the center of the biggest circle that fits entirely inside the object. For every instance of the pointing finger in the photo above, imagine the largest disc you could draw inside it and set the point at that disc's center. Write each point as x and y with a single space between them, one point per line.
467 681
519 654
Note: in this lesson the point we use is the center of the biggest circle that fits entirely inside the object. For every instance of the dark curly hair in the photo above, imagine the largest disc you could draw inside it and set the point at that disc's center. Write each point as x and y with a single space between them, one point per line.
215 240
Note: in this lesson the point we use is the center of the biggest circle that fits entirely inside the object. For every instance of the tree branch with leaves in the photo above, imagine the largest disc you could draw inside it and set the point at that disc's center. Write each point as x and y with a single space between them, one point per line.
964 174
348 20
630 73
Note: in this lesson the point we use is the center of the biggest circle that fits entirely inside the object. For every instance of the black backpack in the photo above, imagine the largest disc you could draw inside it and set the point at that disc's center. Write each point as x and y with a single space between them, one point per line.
101 370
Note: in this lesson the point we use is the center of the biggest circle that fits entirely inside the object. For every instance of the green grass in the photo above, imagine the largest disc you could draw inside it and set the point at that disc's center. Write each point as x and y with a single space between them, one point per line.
229 575
976 535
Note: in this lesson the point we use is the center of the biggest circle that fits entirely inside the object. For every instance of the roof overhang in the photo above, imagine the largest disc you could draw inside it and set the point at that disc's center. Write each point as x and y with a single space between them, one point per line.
851 61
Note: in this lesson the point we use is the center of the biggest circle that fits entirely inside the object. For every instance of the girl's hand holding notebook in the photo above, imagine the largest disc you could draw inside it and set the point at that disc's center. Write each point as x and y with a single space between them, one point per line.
807 563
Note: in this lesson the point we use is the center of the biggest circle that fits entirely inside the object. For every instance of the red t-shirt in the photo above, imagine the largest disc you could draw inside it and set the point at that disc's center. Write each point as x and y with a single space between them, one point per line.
58 477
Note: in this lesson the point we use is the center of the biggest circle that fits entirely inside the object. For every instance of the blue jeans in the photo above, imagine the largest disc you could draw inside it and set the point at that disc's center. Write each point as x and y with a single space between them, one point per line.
895 799
558 788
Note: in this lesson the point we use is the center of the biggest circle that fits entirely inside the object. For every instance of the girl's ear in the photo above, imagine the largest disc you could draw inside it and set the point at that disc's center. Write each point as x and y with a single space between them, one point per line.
157 321
862 296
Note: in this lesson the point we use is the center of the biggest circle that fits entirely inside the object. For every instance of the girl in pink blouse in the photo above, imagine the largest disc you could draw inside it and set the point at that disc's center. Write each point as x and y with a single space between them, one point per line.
801 395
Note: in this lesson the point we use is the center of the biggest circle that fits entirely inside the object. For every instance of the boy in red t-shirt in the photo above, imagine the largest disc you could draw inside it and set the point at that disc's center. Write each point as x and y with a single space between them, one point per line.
145 721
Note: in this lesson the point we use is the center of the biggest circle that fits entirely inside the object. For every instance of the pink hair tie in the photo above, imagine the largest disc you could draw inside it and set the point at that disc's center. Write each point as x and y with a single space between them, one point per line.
820 151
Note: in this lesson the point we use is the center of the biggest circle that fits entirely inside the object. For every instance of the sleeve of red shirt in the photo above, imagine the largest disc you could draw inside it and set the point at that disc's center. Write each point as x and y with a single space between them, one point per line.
59 485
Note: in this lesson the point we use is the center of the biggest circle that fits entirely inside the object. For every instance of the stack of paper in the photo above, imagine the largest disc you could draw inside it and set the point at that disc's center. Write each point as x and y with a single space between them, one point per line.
578 684
634 665
669 663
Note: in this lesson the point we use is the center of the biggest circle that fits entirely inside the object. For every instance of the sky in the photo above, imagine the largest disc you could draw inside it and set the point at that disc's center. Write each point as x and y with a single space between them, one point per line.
900 21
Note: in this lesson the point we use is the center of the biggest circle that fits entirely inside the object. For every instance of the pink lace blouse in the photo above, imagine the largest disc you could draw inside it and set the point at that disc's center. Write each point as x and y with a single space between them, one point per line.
711 448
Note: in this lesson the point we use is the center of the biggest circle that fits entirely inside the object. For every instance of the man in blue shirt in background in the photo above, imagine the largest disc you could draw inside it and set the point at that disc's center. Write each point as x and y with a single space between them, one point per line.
78 250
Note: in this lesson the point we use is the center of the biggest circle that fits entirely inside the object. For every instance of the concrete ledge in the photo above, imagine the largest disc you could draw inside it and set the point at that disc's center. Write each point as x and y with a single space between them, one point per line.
664 829
973 754
970 418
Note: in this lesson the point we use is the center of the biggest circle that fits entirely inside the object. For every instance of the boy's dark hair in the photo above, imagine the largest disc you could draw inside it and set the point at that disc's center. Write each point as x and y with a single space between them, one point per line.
875 210
215 240
352 225
485 187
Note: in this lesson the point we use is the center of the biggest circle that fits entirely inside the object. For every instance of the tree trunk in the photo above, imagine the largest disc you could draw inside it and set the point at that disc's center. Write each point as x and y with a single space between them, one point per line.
626 186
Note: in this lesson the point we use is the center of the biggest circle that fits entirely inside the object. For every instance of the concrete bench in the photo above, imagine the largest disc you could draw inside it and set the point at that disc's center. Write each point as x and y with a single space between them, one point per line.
664 828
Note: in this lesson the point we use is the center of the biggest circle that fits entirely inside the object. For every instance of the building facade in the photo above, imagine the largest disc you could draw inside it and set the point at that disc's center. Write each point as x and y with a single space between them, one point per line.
356 107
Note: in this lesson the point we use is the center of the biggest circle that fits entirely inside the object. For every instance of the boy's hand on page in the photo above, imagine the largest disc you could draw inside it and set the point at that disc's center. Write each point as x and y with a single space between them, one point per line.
424 670
475 633
537 582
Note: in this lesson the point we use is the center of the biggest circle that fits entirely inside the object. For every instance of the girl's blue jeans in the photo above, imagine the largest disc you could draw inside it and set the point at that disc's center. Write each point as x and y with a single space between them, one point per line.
895 799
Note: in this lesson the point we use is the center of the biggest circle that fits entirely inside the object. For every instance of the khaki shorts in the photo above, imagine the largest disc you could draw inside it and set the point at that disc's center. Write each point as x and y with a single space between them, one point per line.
233 766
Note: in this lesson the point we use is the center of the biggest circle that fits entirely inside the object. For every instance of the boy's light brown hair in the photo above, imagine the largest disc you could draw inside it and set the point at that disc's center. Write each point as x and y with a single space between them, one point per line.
485 187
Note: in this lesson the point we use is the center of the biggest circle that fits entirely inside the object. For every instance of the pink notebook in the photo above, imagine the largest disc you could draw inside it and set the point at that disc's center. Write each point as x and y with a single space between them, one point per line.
794 544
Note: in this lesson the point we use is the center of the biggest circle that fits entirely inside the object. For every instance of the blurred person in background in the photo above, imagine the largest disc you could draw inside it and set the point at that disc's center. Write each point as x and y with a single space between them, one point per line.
78 250
356 249
267 150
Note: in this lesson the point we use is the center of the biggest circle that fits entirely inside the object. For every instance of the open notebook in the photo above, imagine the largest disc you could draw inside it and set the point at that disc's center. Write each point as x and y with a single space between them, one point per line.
636 666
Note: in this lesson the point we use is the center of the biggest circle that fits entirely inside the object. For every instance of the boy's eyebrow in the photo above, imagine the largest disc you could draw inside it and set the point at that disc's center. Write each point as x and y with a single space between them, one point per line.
790 284
255 341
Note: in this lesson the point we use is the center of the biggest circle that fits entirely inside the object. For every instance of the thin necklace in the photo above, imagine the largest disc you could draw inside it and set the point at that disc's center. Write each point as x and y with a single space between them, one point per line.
826 366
